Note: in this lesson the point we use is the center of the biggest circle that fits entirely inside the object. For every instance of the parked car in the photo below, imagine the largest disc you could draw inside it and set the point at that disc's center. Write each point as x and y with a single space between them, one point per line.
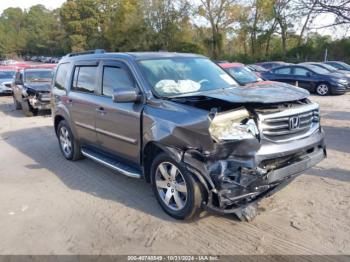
271 65
310 77
240 73
339 65
7 75
257 69
31 90
183 124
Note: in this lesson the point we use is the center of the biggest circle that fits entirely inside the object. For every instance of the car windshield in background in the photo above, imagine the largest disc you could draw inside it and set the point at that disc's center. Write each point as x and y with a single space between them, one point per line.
38 76
7 74
180 76
258 68
345 65
243 75
328 67
318 70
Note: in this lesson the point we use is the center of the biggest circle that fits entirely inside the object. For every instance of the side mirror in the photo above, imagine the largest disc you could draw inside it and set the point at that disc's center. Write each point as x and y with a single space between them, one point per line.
308 74
126 96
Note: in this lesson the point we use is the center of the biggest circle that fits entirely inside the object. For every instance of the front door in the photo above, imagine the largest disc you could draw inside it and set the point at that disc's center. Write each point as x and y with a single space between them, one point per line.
118 124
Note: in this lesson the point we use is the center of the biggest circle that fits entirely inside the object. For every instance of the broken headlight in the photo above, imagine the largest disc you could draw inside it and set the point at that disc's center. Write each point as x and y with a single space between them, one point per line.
234 125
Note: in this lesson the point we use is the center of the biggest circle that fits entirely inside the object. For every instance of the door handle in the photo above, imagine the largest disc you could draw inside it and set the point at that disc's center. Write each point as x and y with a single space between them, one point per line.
100 110
70 102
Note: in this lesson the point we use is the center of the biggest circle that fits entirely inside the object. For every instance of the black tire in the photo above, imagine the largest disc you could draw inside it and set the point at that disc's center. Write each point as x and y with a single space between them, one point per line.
75 152
323 89
194 194
26 108
17 104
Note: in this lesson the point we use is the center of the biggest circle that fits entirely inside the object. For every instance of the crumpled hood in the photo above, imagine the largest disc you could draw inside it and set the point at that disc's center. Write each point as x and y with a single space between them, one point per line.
46 86
266 92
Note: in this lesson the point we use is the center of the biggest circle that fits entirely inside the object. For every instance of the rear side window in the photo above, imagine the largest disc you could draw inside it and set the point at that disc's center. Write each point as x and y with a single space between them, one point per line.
61 76
84 79
115 78
298 71
282 71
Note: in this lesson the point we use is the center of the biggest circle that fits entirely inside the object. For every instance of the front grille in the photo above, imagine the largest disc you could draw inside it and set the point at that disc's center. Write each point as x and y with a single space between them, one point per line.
290 123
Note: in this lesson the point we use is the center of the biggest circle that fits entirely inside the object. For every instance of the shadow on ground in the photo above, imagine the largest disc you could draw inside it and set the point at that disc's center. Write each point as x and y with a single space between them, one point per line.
338 138
40 144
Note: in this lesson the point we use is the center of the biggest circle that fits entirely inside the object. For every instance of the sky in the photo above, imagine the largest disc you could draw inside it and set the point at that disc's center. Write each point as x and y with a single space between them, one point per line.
51 4
335 32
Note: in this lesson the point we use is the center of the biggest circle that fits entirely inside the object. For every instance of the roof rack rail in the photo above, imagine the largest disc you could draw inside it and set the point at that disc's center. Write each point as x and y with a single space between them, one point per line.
88 52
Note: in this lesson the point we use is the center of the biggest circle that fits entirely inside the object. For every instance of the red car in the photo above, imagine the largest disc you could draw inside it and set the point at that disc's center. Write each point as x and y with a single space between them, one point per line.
242 74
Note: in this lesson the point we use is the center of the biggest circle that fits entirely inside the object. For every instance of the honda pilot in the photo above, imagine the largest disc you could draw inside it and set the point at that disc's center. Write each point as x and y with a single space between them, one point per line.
184 125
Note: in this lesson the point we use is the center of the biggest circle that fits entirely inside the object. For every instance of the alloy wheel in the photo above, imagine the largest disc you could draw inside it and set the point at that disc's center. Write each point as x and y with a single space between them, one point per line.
65 141
322 89
171 186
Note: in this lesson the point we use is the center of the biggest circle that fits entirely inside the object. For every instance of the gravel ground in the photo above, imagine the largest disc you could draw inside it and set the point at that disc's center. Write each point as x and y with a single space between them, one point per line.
52 206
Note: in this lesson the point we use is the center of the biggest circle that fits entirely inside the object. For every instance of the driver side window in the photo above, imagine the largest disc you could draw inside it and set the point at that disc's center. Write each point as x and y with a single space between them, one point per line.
115 78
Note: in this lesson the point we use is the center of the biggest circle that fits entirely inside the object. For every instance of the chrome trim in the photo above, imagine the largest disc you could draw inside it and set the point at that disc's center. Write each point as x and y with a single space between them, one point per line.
84 125
289 112
116 168
120 137
302 112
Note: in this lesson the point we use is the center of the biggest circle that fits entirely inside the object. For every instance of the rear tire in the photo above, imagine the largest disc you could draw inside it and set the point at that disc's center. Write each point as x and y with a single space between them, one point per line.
69 146
323 89
175 189
17 104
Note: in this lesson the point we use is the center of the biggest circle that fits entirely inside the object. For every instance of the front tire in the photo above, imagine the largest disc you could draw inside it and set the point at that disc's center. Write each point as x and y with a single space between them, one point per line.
68 144
176 190
27 111
322 89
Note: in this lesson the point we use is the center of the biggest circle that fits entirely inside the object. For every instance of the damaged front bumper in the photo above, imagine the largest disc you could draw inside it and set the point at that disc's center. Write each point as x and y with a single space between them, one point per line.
236 181
40 101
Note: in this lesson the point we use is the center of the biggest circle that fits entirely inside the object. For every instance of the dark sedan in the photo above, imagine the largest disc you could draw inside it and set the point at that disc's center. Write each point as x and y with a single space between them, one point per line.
310 77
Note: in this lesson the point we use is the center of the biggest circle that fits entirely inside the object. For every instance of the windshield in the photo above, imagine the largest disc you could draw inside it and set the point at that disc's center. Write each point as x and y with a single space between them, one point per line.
345 65
328 67
258 68
7 74
243 75
179 76
318 70
38 76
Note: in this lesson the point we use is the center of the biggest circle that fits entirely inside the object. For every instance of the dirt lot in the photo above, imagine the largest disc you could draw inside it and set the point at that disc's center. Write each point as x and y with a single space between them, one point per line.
51 206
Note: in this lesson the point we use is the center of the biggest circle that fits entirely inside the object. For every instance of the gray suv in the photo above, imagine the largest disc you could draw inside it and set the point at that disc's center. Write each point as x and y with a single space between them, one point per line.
183 124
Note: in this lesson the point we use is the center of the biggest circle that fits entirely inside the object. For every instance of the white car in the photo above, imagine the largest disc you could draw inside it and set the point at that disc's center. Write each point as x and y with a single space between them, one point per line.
6 79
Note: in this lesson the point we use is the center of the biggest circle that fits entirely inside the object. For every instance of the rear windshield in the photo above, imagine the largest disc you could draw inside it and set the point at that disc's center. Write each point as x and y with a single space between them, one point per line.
242 74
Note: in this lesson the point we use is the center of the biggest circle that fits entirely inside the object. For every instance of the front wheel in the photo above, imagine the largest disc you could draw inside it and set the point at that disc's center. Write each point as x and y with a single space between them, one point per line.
322 89
177 192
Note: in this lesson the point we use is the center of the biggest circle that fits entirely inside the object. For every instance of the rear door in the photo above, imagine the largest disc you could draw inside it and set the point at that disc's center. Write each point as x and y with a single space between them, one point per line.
82 100
118 124
304 78
283 74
